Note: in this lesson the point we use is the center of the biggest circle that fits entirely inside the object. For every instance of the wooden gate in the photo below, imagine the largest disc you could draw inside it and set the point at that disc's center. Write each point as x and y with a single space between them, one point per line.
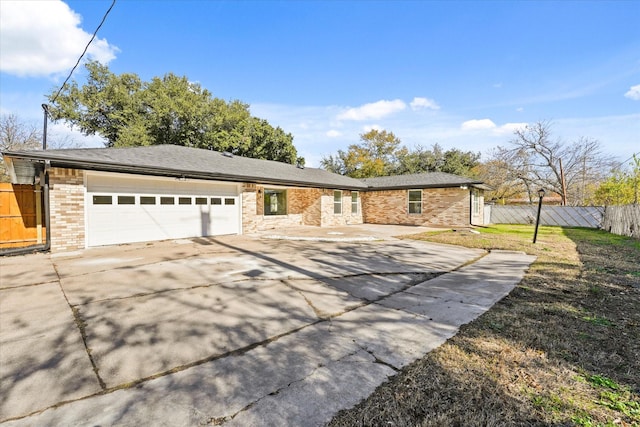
21 216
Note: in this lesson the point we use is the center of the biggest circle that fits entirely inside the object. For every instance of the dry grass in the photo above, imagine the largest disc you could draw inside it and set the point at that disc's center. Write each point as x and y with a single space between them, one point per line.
562 349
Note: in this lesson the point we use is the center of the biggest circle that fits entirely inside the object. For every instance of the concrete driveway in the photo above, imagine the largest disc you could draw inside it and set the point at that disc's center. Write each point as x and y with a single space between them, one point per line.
281 329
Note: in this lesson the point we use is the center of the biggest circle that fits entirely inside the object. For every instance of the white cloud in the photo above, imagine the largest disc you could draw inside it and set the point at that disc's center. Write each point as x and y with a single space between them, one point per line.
45 38
509 128
481 124
520 109
633 93
369 128
420 103
374 110
489 125
60 135
333 133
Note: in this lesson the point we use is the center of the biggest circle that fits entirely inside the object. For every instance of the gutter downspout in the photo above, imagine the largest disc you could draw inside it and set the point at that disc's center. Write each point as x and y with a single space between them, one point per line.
47 210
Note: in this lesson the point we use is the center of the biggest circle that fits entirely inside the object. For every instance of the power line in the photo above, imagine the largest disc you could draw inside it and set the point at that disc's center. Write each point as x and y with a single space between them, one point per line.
85 51
625 162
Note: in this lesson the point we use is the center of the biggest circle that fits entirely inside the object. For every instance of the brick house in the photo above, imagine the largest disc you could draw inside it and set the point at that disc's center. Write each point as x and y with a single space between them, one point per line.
103 196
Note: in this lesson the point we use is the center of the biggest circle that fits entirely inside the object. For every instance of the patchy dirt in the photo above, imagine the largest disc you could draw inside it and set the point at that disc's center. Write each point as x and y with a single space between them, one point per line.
563 348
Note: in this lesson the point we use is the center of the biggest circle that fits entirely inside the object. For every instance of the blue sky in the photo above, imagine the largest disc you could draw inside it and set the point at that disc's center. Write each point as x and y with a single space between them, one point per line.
460 74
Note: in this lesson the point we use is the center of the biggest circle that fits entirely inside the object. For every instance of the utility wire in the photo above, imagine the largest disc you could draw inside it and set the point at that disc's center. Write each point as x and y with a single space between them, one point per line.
629 159
83 53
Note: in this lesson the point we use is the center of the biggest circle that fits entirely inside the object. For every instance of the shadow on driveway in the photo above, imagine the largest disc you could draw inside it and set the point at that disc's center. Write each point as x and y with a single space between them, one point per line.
189 332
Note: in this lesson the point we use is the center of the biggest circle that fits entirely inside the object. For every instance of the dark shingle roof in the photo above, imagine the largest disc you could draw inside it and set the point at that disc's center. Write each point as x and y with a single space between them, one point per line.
420 180
178 161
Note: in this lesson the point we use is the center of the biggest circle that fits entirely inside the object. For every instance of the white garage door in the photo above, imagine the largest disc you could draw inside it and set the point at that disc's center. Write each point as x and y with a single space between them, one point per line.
128 208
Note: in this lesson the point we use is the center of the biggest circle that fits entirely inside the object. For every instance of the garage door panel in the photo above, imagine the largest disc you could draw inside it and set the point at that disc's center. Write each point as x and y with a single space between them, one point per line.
148 218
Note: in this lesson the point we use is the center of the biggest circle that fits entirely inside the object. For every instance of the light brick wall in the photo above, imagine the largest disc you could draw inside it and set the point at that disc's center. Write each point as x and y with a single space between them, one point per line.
249 200
66 201
303 208
305 202
331 219
440 207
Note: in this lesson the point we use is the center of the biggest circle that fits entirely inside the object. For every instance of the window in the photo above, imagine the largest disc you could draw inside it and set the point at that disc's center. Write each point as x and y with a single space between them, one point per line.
126 200
229 201
475 197
275 202
337 202
147 200
184 200
167 201
415 201
201 200
101 200
354 202
216 201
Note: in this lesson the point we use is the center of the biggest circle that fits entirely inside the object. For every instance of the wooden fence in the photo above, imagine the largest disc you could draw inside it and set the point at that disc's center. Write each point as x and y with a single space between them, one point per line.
563 216
21 216
623 220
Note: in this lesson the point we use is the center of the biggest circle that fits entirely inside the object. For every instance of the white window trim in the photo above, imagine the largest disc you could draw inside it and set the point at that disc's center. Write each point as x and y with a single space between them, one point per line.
475 201
409 202
356 202
339 203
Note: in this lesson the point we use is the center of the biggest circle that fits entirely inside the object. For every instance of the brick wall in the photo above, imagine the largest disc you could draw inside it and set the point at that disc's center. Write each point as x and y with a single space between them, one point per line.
305 202
305 206
66 201
331 219
440 207
249 200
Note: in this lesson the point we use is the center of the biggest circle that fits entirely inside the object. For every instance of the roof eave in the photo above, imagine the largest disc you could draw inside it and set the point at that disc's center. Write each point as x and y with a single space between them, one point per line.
411 187
173 173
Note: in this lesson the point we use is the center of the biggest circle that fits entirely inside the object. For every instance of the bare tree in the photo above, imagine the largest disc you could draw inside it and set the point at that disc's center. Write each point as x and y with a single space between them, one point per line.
572 171
503 173
16 135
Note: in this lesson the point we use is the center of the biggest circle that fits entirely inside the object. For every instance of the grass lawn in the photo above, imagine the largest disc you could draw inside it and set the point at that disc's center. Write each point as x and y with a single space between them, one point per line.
563 348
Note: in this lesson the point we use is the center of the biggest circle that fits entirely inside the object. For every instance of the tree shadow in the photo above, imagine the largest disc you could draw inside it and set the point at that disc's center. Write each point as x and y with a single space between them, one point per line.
228 340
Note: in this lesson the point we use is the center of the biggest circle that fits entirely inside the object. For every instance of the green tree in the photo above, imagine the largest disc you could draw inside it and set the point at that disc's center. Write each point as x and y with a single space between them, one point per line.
127 111
622 188
436 159
380 154
373 156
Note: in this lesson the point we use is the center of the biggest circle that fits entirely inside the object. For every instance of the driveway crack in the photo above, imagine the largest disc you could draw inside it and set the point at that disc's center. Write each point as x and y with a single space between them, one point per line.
81 325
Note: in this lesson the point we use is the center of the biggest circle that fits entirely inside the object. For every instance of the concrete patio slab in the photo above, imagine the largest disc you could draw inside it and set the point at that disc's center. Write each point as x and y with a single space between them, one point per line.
371 287
237 330
346 381
43 358
137 338
14 274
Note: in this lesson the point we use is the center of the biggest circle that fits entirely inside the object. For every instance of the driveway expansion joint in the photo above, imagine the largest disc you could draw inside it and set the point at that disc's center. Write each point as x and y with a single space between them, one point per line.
80 324
271 365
